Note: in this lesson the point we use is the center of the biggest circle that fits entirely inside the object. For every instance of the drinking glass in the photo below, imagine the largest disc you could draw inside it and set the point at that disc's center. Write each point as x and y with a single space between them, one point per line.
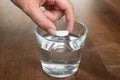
60 56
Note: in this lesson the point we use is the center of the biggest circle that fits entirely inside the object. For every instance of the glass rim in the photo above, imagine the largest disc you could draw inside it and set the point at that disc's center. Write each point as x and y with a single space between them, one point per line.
85 33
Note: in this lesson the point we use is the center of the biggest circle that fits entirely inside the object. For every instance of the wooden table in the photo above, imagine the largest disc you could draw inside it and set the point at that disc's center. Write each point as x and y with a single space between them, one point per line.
19 56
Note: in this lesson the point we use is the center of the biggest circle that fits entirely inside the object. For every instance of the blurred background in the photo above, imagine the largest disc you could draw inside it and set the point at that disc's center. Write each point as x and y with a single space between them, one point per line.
102 18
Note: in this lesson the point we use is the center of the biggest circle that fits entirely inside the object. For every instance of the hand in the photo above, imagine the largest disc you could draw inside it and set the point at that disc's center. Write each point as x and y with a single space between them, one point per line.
55 9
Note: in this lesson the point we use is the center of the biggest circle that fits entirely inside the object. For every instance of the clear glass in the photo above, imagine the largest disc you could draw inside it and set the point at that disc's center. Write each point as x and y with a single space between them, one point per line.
60 55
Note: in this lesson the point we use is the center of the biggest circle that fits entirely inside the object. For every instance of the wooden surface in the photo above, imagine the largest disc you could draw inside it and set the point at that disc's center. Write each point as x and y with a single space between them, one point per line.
19 59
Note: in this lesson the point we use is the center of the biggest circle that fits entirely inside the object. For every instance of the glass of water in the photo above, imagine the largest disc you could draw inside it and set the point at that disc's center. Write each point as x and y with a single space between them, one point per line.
60 56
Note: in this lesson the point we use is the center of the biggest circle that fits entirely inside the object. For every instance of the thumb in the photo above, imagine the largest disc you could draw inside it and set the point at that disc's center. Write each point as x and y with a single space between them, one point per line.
42 21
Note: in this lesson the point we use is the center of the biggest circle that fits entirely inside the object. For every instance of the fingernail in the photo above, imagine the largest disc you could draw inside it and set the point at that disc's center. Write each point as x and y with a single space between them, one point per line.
51 31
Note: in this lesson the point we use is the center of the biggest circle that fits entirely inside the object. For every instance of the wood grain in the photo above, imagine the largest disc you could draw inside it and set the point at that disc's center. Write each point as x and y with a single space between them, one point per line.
103 20
19 56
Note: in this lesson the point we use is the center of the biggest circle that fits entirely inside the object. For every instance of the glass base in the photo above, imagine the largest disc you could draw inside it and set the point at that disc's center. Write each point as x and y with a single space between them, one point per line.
60 70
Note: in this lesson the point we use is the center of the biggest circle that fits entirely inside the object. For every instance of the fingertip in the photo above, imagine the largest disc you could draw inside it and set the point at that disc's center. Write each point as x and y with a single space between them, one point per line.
70 25
70 29
52 31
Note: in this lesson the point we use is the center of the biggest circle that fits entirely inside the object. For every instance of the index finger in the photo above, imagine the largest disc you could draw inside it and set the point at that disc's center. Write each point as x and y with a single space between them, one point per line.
67 7
70 19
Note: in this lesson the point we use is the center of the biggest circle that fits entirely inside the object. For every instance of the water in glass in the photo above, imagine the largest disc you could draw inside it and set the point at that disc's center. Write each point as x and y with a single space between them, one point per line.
61 58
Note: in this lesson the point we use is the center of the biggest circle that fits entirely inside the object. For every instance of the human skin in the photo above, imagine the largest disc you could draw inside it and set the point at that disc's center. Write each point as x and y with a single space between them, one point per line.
55 9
